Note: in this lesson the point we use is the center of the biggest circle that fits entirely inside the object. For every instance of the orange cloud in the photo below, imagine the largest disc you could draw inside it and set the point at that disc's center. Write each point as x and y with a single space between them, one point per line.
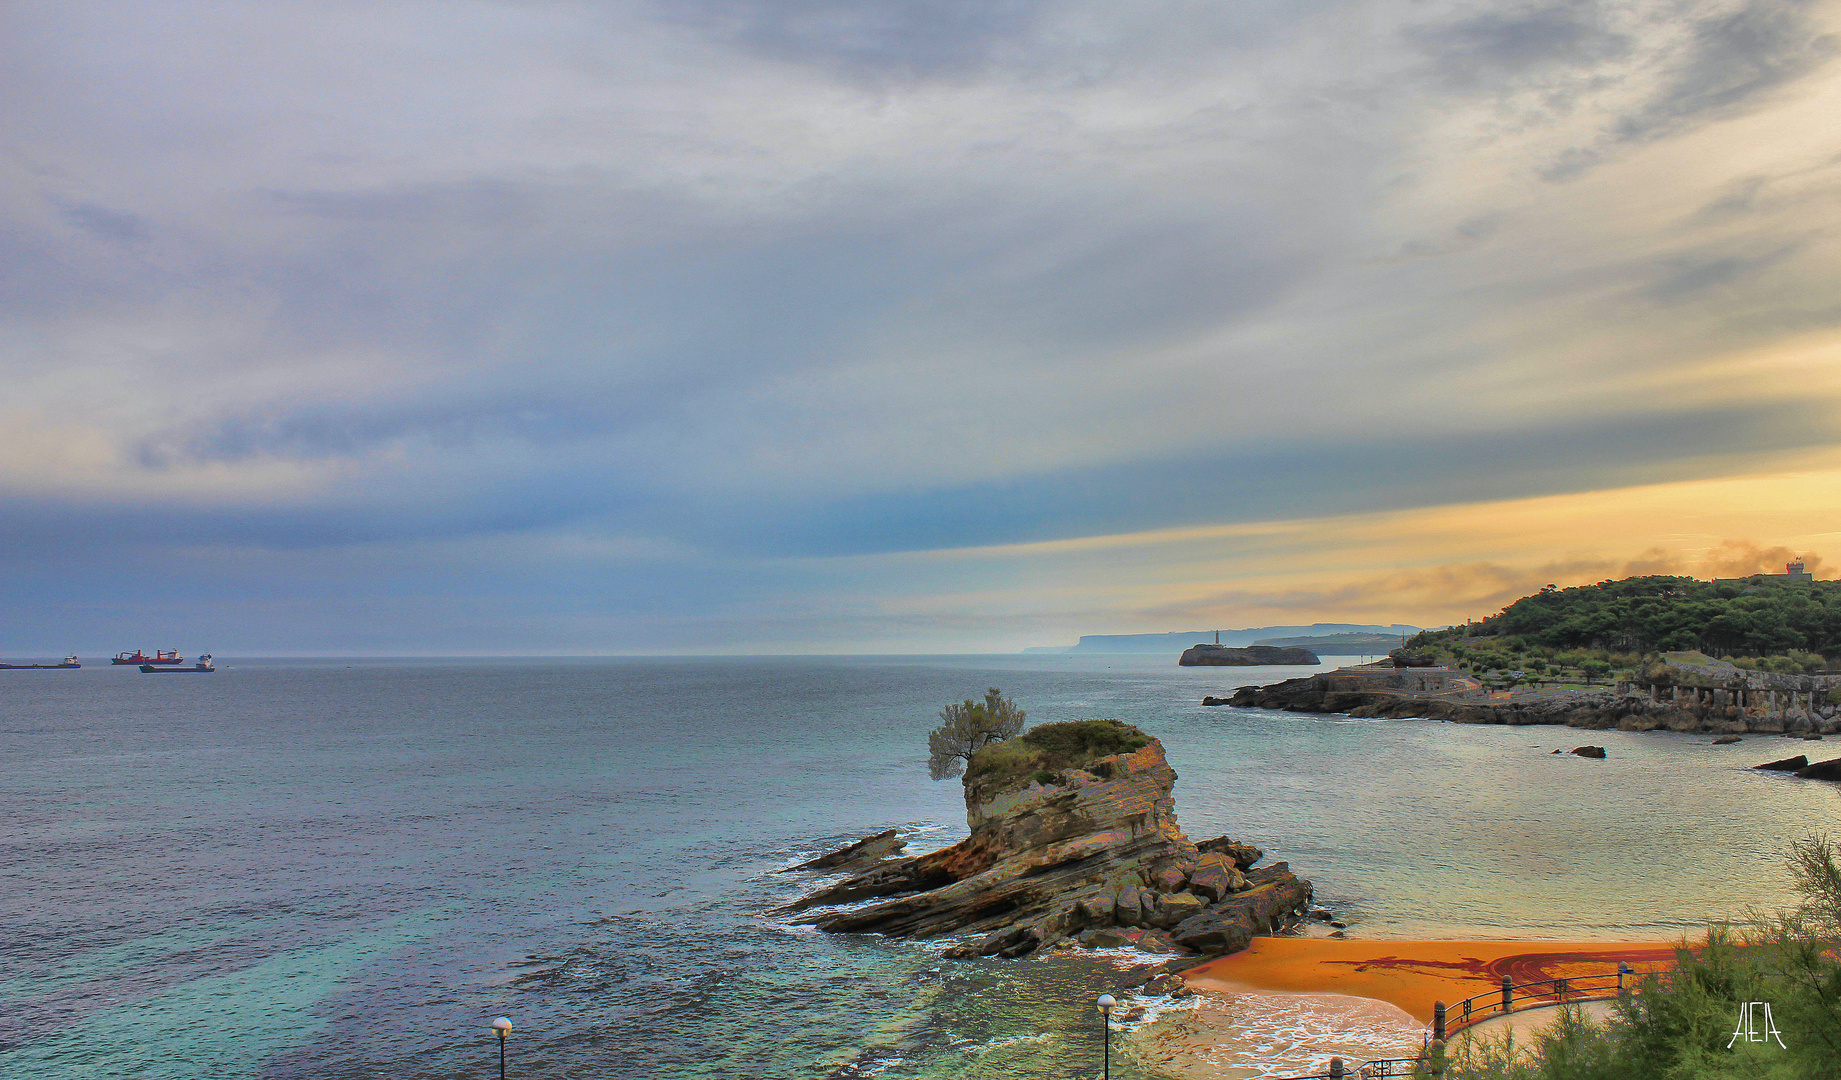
1476 589
1739 558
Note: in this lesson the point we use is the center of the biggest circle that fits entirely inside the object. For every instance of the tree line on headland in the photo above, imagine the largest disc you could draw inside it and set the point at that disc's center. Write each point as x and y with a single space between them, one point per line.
1770 624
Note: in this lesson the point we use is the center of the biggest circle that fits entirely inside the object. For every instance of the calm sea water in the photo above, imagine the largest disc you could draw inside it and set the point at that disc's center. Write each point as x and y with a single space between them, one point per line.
342 869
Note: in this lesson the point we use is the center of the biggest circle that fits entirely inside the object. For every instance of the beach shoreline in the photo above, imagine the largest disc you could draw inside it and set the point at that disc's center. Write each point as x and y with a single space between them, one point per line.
1292 1003
1414 974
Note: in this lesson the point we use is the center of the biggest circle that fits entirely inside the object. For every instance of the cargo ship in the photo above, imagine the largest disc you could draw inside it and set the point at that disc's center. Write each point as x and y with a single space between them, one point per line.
158 657
69 662
204 664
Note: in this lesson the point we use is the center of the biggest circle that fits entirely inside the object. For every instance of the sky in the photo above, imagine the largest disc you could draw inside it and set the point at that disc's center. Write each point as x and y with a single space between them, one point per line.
888 326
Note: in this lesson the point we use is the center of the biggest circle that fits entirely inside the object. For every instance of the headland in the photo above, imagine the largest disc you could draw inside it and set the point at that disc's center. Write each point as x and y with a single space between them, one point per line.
1675 696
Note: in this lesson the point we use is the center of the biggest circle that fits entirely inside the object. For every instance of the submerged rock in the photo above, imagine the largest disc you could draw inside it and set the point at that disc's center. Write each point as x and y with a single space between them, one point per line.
1073 829
1588 751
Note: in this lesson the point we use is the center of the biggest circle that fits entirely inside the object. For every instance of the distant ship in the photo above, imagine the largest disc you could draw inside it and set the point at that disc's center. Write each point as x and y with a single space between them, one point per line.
69 661
204 664
158 657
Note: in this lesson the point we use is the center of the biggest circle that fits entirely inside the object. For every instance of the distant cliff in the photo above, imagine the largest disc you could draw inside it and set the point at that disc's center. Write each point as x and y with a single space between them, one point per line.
1074 836
1251 656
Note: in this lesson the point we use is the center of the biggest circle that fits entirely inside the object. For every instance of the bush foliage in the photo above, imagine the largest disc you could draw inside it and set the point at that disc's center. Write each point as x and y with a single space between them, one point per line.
1049 748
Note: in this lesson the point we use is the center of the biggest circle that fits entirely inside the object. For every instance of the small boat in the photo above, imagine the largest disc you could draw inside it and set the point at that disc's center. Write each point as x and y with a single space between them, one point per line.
204 664
70 661
158 657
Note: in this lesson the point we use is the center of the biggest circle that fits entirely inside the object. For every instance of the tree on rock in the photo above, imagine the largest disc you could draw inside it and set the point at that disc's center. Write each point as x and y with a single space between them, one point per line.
970 726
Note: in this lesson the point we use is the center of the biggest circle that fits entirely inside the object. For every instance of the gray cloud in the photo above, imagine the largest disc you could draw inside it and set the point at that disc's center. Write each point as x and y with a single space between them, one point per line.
1727 63
1733 59
1740 198
880 38
106 223
1494 47
1685 277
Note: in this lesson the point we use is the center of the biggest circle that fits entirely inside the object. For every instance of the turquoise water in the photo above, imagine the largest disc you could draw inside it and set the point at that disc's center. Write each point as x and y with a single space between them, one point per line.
347 868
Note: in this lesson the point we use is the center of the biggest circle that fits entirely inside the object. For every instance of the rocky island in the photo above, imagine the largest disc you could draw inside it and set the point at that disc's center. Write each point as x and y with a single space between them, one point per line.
1074 841
1249 656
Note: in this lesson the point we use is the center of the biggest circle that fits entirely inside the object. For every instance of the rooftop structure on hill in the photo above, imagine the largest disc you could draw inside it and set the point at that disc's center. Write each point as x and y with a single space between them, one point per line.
1791 572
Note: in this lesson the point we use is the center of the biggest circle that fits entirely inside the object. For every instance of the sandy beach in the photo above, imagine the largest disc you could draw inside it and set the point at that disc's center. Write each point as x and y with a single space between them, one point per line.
1285 1005
1412 975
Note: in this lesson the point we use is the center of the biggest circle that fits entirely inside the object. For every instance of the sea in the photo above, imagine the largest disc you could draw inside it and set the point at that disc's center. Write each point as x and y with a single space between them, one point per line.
347 868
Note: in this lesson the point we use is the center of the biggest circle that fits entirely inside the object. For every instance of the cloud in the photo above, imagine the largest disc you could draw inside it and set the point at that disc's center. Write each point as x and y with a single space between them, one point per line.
883 39
1742 558
1733 58
816 282
1684 276
1479 588
1711 62
1496 46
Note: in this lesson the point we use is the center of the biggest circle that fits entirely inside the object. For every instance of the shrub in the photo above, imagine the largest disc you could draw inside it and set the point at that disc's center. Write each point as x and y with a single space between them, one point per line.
1052 747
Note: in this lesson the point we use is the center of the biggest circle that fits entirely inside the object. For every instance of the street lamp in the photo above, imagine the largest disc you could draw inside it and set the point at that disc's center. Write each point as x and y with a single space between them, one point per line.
502 1027
1106 1003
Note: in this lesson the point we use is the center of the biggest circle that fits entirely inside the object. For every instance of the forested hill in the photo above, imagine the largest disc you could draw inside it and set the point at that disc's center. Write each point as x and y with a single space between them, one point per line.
1761 617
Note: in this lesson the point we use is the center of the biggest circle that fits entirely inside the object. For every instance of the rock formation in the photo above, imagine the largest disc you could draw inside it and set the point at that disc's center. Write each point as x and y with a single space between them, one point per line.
1821 770
1074 835
1789 764
1250 656
869 850
1440 694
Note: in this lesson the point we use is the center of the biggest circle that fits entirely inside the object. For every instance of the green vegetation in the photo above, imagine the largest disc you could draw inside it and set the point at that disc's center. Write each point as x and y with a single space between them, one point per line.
1586 633
1654 614
968 728
1680 1025
1048 748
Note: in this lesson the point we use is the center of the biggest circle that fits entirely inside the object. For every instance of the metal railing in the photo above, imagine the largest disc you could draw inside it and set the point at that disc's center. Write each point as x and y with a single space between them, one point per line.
1540 994
1511 998
1380 1069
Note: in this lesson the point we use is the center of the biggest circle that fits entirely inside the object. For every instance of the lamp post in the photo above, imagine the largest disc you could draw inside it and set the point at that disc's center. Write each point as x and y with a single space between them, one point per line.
502 1027
1106 1003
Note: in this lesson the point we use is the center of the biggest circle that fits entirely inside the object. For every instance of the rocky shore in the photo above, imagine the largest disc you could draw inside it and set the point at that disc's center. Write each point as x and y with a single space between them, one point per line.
1441 694
1074 842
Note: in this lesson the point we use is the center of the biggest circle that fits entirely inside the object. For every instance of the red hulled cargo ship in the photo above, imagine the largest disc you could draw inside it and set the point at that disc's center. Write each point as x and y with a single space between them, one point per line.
158 657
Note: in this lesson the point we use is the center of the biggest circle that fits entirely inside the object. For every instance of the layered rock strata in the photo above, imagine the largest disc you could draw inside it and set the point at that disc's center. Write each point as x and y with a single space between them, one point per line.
1080 846
1629 709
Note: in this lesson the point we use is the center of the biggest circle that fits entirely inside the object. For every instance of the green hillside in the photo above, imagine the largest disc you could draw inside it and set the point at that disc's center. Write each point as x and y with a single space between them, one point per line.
1792 624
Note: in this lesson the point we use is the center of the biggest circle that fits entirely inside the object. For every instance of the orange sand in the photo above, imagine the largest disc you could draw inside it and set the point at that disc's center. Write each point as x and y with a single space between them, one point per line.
1414 974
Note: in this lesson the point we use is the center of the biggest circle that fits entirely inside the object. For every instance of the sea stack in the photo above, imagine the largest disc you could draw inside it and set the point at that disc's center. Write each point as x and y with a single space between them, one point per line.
1074 836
